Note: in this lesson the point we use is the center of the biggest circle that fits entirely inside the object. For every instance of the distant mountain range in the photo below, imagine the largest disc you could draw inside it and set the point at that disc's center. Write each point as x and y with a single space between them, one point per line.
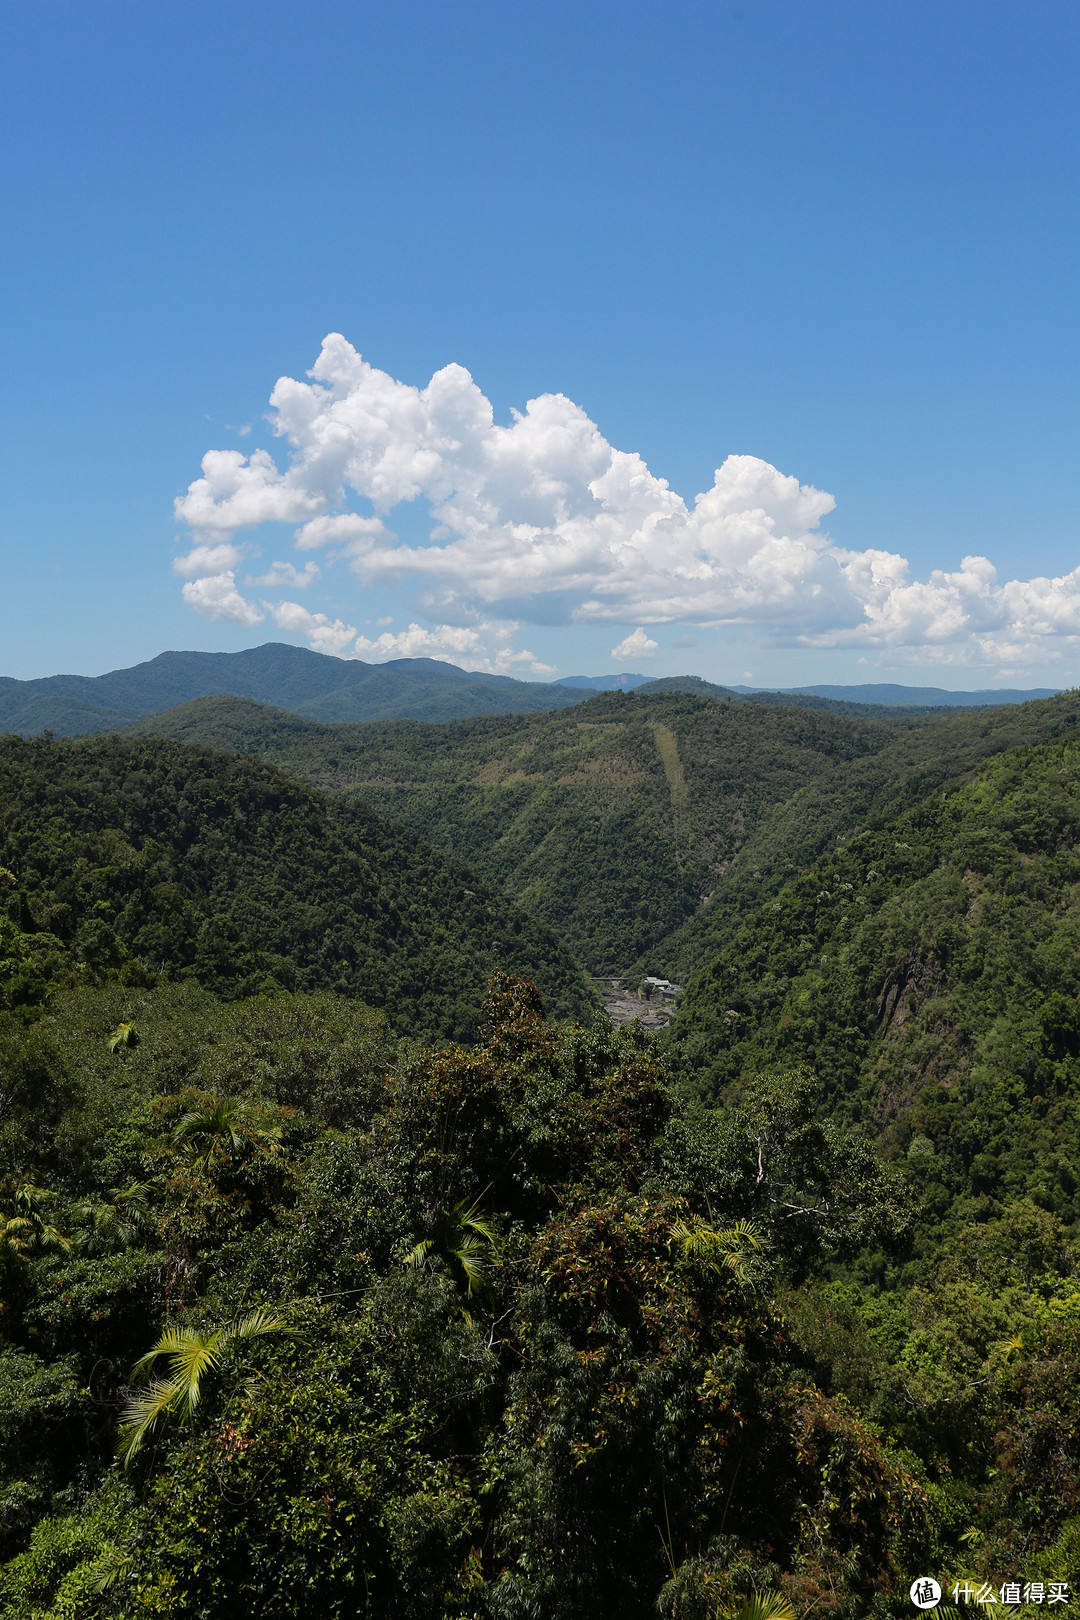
911 696
876 695
605 683
320 687
311 684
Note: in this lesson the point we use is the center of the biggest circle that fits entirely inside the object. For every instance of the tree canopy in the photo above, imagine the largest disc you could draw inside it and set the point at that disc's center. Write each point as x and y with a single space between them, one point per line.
142 859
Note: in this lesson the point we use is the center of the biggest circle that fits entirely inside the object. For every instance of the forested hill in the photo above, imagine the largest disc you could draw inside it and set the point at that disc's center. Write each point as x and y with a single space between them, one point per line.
298 1318
140 857
888 693
643 826
862 708
913 760
928 972
293 678
610 822
329 689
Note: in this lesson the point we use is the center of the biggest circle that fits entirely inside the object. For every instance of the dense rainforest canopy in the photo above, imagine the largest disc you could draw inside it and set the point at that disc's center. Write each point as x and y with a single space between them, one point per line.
498 1330
304 1310
148 858
610 823
641 827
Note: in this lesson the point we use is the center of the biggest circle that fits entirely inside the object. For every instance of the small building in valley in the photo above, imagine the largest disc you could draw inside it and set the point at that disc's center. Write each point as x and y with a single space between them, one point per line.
654 986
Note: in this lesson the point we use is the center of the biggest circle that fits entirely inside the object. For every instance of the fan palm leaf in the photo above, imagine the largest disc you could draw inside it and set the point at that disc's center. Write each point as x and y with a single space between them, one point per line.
729 1248
762 1606
222 1125
465 1241
192 1356
27 1232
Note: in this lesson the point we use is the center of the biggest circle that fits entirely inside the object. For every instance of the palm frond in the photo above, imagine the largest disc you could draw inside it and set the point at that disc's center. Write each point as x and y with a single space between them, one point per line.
133 1201
118 1221
485 1231
191 1359
124 1035
51 1240
222 1125
729 1248
30 1198
165 1345
141 1414
17 1234
469 1221
464 1240
762 1606
27 1233
262 1320
192 1355
475 1267
110 1569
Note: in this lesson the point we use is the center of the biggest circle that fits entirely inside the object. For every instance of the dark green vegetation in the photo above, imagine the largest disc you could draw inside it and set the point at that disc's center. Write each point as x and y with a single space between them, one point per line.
294 679
297 1320
929 972
914 760
611 822
303 1317
479 1332
645 826
140 858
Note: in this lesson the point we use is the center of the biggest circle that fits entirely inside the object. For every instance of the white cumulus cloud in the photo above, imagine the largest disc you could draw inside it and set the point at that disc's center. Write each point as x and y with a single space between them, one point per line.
215 596
543 521
487 649
324 634
203 561
635 645
284 573
346 529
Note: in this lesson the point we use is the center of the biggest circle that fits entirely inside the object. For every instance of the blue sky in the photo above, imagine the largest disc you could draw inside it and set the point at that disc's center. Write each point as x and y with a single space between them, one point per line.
837 242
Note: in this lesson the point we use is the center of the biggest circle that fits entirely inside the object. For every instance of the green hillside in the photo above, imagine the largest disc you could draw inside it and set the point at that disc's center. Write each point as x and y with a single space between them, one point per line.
300 1316
860 708
914 758
644 827
929 973
142 857
610 823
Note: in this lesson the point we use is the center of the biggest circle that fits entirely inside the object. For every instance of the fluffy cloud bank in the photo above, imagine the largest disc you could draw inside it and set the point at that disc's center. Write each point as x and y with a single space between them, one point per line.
635 645
487 648
544 521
